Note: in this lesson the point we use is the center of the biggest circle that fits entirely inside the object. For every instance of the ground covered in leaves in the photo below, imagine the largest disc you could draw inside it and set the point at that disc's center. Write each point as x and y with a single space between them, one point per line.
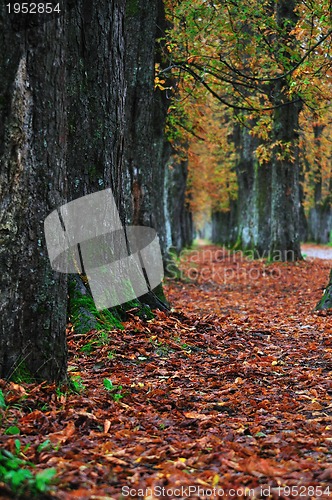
228 396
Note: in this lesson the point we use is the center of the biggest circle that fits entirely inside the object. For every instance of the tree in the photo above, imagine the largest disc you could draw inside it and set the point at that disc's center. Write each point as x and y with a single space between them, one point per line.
32 183
146 149
285 195
316 154
262 59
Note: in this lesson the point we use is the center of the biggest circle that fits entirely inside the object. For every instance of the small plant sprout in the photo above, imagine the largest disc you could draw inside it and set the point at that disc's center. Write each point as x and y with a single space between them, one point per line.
108 384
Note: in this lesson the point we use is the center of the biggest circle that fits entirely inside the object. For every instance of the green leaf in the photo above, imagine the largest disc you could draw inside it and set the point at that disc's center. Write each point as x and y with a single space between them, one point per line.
117 397
2 400
46 445
17 445
12 430
108 384
43 478
18 477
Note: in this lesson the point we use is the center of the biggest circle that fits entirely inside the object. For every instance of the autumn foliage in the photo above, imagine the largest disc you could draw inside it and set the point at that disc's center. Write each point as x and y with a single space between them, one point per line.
234 64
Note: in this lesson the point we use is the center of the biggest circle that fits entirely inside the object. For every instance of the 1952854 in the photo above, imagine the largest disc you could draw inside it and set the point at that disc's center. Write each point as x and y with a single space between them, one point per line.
33 8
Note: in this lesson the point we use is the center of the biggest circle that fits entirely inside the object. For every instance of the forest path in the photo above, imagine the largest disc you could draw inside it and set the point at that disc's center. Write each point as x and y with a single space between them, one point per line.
230 394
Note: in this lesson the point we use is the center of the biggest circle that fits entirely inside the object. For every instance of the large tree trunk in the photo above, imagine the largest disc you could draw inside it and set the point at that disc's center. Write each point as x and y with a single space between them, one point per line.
96 95
32 183
146 151
285 206
247 225
58 111
96 99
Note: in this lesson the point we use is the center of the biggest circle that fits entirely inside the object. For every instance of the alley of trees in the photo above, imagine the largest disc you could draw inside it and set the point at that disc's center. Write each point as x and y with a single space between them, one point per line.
255 84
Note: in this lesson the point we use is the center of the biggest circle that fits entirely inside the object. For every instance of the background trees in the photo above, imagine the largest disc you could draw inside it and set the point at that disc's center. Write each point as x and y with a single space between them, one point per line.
268 61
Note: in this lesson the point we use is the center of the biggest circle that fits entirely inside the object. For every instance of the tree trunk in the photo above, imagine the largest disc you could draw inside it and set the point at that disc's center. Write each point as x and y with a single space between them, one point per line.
247 225
285 207
32 183
57 112
96 99
253 203
180 217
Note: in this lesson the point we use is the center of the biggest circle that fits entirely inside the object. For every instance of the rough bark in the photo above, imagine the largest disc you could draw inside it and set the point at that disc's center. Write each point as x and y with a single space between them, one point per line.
96 91
146 152
32 184
180 217
246 225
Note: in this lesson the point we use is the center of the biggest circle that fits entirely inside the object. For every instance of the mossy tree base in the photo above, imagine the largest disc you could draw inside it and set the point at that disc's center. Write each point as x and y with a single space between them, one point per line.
82 310
85 317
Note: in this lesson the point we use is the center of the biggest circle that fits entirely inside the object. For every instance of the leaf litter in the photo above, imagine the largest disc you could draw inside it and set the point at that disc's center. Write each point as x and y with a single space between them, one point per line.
230 393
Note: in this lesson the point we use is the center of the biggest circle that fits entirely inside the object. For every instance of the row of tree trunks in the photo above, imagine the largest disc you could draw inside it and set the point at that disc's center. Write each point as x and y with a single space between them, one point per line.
78 114
268 209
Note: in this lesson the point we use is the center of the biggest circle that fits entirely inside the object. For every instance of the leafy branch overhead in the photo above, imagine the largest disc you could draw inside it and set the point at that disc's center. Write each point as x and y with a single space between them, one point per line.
239 51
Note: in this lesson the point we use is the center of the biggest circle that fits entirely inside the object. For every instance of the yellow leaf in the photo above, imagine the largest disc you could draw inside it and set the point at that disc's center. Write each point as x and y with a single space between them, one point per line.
215 480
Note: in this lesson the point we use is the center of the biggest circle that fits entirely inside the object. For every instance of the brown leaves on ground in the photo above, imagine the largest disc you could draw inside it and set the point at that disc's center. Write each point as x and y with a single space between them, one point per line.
231 391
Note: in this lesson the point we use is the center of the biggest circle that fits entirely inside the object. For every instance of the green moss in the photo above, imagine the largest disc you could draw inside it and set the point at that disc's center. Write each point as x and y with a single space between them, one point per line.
238 244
